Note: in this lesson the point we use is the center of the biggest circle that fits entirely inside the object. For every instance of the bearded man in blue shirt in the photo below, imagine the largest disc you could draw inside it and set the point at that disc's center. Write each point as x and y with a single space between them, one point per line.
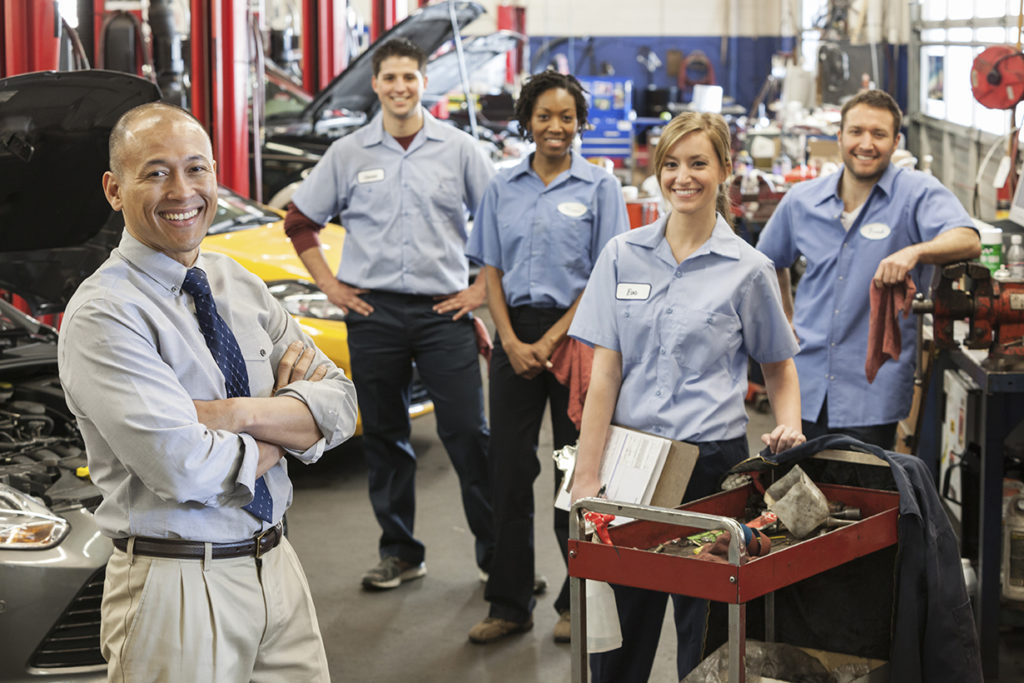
868 225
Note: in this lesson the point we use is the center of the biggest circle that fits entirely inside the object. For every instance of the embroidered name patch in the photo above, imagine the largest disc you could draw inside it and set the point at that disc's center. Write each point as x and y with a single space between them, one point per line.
374 175
630 291
572 209
875 231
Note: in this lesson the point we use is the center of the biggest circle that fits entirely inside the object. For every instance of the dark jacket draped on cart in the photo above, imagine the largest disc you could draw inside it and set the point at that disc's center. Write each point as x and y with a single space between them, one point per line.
933 630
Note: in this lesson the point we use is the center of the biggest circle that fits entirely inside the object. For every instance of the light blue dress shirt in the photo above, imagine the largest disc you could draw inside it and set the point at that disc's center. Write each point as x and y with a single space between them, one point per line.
545 239
684 329
404 210
132 360
832 306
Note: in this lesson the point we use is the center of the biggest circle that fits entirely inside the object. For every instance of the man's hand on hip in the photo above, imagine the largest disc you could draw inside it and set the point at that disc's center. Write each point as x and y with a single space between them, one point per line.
462 302
346 297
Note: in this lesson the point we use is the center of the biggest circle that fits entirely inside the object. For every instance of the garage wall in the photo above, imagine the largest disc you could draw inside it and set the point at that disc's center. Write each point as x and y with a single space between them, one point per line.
639 18
737 36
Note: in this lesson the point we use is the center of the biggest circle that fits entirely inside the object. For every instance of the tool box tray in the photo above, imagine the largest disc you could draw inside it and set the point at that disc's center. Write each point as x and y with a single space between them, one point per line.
628 561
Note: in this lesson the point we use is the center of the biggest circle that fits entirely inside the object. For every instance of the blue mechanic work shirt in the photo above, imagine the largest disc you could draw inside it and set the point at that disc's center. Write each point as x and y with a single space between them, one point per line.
684 329
832 304
404 210
545 239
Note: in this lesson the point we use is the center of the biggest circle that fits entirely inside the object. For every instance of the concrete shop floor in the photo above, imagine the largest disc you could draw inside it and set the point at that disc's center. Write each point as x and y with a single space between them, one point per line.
417 632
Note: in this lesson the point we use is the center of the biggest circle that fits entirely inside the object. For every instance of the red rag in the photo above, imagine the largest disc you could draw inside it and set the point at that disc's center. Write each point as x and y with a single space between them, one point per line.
484 345
570 364
884 338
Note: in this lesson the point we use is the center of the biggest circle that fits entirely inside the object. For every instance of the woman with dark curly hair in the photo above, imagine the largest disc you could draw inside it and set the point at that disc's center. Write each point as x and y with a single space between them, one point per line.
536 234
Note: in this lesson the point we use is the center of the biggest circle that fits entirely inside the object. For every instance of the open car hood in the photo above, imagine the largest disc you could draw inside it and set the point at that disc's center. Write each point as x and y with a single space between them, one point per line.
443 75
429 27
54 128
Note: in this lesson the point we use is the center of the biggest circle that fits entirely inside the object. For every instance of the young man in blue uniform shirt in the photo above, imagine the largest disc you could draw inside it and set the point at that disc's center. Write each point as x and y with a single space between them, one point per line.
868 225
401 185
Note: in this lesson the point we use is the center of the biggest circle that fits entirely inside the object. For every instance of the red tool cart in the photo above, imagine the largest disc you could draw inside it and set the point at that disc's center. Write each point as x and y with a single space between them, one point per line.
628 560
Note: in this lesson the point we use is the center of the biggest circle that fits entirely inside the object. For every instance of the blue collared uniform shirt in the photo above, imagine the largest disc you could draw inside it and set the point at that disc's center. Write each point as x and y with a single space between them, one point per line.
684 329
545 239
404 210
832 304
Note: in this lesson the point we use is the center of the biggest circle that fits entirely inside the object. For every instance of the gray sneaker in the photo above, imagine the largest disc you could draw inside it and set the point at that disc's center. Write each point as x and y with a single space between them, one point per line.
392 572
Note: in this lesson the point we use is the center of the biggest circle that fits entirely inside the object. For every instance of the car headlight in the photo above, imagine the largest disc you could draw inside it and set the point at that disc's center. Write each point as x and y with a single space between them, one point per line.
27 524
303 299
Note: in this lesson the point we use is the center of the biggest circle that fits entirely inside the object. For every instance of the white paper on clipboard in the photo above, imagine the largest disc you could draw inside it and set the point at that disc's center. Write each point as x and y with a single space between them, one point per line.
630 468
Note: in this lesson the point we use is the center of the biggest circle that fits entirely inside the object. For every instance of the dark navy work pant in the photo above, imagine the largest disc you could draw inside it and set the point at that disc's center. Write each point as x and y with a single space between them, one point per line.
402 329
517 409
641 612
883 435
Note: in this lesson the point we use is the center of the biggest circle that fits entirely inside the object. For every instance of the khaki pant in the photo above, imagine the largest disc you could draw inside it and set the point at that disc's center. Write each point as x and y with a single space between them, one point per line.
224 620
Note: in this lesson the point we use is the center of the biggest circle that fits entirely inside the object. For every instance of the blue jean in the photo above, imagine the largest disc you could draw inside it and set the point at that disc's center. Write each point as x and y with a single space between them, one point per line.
641 612
517 409
402 329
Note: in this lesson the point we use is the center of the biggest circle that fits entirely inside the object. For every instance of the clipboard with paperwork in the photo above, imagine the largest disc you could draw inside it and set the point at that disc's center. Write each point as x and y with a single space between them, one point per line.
640 468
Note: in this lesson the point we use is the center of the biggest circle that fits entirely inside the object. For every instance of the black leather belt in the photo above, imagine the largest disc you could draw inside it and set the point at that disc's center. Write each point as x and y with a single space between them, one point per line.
257 546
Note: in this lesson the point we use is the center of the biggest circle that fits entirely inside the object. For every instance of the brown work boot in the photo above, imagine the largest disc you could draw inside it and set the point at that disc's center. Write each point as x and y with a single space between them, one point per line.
493 628
563 628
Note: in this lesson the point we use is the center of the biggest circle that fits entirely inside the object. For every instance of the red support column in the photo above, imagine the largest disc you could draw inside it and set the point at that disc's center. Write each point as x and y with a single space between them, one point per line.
220 67
384 13
310 28
323 42
30 36
512 18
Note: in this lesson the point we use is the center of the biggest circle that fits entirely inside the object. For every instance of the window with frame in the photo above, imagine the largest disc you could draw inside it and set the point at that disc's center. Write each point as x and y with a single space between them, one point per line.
952 33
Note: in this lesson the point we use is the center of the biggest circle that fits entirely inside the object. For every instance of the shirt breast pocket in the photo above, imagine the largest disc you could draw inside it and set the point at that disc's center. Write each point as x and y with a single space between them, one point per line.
701 341
257 349
366 193
570 240
635 324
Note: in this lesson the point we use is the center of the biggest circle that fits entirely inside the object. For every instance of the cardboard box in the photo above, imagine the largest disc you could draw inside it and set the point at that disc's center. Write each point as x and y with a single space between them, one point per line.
675 475
823 151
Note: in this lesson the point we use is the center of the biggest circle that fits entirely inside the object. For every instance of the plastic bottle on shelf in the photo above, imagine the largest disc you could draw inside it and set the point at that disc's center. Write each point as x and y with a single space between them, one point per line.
782 165
743 164
1015 258
991 246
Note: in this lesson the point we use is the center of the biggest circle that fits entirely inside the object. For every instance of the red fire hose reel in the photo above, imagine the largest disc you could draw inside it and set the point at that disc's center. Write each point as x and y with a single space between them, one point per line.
997 77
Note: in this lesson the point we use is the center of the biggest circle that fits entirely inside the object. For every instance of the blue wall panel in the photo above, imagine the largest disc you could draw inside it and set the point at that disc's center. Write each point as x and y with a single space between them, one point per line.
747 64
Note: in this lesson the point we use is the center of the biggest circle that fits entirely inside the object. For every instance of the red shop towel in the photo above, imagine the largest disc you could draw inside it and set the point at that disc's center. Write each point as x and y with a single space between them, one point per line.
570 364
483 340
884 338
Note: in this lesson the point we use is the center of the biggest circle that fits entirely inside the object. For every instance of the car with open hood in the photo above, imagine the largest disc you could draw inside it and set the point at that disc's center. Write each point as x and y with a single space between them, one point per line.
54 231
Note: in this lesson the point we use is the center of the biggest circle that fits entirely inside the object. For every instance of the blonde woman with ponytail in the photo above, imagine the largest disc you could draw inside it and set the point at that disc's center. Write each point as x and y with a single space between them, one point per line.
673 311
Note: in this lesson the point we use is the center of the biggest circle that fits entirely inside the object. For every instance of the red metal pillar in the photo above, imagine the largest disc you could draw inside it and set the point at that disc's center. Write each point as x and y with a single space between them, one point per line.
384 14
220 67
29 36
512 18
324 55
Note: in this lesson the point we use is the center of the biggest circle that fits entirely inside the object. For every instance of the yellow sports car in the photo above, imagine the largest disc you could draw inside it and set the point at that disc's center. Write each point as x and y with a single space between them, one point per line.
253 235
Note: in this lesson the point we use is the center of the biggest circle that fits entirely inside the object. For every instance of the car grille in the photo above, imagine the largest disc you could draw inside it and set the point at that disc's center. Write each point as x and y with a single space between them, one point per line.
74 641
